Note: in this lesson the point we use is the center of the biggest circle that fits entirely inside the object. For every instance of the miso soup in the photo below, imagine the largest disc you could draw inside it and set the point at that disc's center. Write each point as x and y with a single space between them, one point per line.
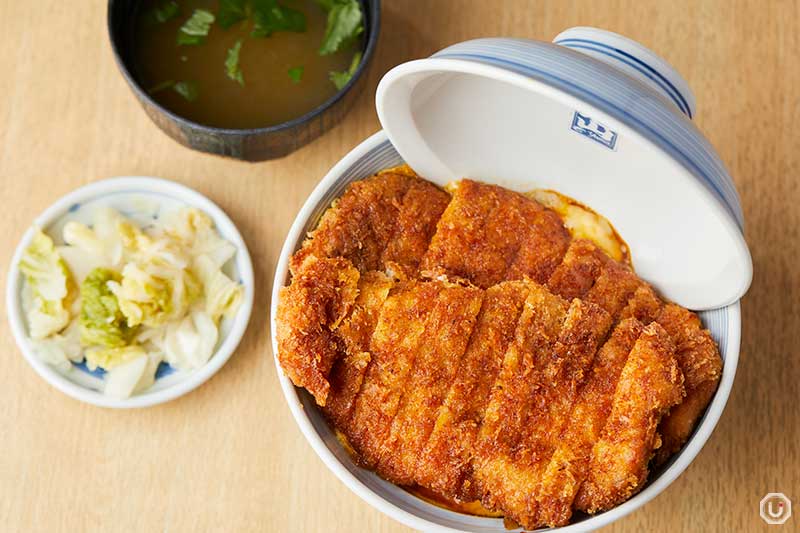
246 63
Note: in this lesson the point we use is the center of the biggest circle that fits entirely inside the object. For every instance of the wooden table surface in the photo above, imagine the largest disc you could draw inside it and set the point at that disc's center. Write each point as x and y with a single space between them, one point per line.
228 457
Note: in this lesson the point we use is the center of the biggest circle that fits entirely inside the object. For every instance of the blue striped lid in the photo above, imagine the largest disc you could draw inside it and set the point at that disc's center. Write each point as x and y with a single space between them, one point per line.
595 116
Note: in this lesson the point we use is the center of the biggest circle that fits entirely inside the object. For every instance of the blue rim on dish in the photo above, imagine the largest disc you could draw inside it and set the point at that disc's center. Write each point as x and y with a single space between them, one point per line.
377 153
164 368
77 381
582 77
634 62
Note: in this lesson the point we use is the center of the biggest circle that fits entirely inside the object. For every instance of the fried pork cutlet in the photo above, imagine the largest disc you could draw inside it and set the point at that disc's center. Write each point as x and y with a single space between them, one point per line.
650 384
462 345
386 220
489 234
355 331
527 365
554 390
445 465
582 265
644 305
400 333
701 365
321 295
569 463
447 331
420 336
613 288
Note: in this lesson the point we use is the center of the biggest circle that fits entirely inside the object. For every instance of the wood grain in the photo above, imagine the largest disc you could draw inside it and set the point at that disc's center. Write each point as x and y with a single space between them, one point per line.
228 457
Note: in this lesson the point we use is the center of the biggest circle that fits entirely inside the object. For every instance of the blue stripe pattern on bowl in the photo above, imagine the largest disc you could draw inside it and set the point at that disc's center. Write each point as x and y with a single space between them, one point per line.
629 101
634 62
381 156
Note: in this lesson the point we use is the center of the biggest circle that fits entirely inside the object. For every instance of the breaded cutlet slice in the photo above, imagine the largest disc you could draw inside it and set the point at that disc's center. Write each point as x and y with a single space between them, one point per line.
414 322
650 384
582 265
527 363
320 297
542 247
569 463
383 219
699 360
355 331
645 305
553 396
420 211
447 331
613 288
488 233
445 465
398 337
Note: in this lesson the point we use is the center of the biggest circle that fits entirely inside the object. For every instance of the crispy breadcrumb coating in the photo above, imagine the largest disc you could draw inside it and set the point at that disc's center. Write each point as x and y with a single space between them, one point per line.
468 345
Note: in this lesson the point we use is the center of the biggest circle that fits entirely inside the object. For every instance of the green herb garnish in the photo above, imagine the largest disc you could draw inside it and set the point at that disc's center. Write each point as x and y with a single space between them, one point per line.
231 11
232 63
188 89
163 12
195 30
270 17
340 79
296 73
345 24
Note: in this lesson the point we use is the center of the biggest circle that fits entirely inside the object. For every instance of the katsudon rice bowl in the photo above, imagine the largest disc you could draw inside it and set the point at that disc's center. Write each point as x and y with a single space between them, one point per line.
480 316
419 509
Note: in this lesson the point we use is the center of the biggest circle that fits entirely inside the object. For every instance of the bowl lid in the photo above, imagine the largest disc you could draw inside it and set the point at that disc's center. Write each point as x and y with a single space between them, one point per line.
595 116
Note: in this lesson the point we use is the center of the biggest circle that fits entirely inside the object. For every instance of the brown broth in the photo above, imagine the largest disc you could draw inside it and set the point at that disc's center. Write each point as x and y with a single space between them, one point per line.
269 95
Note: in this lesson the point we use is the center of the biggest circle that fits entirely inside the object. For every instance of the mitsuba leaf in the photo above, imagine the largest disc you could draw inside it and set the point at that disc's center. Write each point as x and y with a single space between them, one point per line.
162 12
340 79
188 89
270 17
195 30
232 68
345 24
230 12
296 74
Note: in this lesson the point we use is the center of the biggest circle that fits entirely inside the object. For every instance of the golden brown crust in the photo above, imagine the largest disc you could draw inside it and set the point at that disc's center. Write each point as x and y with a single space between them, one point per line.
355 332
421 208
481 233
321 295
650 384
541 249
445 466
613 288
552 395
645 306
399 335
441 373
699 360
448 328
569 463
581 267
526 365
387 217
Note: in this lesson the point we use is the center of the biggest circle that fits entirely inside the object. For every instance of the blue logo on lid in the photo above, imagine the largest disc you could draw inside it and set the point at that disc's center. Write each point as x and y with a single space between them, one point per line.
592 129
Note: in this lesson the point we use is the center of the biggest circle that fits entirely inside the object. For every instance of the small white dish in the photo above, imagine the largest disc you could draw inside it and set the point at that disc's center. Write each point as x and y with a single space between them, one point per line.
139 198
